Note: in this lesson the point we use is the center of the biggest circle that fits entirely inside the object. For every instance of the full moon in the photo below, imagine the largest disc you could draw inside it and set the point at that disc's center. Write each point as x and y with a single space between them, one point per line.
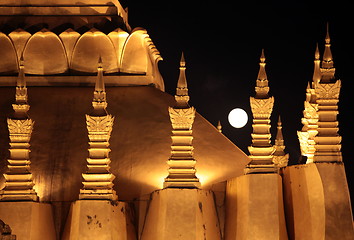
238 118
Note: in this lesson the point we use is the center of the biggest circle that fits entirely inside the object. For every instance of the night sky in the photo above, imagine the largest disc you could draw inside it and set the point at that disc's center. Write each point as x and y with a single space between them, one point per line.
222 42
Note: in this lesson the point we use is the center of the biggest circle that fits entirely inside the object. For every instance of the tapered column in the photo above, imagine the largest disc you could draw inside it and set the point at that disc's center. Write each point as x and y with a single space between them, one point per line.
261 150
182 163
98 180
18 178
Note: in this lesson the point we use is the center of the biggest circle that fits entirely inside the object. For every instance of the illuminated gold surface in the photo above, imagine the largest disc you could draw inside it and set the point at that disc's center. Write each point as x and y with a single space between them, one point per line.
254 208
185 214
99 219
317 201
29 220
140 142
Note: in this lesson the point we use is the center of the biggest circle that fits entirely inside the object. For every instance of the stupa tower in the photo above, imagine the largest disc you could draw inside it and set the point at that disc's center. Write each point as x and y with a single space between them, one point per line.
309 130
98 180
328 147
261 150
18 179
182 163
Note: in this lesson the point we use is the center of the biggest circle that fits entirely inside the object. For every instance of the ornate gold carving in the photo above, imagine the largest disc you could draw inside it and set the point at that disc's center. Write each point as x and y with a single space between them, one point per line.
310 111
182 118
304 144
99 124
262 108
17 126
328 90
281 161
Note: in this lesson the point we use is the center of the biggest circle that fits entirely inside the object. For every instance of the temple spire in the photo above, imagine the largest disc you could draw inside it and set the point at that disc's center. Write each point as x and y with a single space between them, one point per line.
317 68
99 84
98 180
280 159
327 68
327 141
182 96
262 87
219 127
279 140
182 163
19 179
99 102
261 150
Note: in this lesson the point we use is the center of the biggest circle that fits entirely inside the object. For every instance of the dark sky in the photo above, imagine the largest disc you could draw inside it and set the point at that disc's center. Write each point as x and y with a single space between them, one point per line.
222 42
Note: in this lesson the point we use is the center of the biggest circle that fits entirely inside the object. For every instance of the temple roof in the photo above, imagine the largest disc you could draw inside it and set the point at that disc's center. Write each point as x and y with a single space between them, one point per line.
140 141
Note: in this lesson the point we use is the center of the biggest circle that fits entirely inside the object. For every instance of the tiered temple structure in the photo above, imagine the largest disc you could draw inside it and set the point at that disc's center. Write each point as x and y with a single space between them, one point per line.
261 149
195 184
181 163
19 180
98 182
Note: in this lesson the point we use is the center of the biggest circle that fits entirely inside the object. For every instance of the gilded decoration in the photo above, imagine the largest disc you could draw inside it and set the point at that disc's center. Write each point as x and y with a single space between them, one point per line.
182 118
17 126
328 90
262 108
310 111
99 124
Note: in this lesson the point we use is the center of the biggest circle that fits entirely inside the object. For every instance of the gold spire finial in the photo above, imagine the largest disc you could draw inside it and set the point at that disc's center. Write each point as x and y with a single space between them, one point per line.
182 62
262 88
219 127
99 102
317 53
327 39
99 86
279 136
327 68
316 78
181 96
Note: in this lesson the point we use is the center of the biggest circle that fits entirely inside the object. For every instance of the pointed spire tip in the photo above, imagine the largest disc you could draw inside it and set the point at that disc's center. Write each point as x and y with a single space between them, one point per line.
182 62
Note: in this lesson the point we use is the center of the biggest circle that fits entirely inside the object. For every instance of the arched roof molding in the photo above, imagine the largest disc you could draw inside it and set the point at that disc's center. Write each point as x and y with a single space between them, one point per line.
19 38
69 38
8 59
89 47
44 54
140 56
118 38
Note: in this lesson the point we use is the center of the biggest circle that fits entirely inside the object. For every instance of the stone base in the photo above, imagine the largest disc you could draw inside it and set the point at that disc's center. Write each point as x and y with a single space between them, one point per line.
29 220
183 214
318 202
254 208
99 219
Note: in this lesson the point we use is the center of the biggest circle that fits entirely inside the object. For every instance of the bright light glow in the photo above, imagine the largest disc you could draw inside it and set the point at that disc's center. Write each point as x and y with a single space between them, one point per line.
238 118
